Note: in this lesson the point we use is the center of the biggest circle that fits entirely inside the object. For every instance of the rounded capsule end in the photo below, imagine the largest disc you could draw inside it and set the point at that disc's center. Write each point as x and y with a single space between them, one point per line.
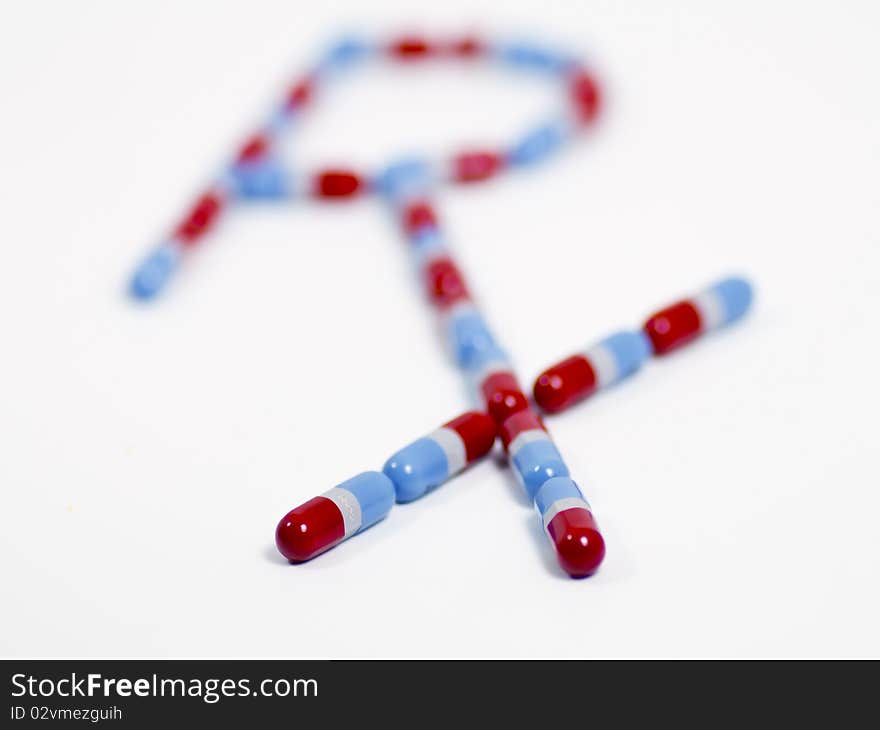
309 530
564 384
580 547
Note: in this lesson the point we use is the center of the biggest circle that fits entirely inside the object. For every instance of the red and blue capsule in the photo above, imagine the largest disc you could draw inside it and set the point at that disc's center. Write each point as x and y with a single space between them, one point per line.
601 365
530 450
325 521
569 523
432 460
684 321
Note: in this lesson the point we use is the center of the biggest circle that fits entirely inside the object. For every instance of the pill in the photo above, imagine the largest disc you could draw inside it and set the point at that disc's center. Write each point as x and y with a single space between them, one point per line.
580 375
531 452
201 217
679 323
585 96
266 179
433 459
336 184
568 522
476 166
154 271
325 521
499 389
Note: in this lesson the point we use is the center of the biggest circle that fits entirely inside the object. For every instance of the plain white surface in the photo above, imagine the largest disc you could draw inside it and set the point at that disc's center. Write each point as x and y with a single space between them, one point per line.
149 451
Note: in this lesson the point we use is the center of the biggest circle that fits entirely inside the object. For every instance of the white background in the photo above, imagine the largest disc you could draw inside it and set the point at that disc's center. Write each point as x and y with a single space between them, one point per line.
148 452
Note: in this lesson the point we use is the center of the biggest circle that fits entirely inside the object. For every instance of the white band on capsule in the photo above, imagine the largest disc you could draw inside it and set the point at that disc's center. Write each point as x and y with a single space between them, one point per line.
453 446
526 437
560 505
349 507
710 308
604 365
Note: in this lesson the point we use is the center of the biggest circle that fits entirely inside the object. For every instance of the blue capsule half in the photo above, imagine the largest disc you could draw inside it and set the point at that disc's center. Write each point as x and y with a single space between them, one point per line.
155 271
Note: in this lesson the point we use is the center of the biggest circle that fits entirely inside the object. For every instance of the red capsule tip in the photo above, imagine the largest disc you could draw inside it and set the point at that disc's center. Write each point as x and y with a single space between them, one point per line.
445 283
254 149
586 97
673 327
337 184
477 431
411 47
467 47
503 396
564 384
418 215
200 218
309 530
476 166
580 547
299 94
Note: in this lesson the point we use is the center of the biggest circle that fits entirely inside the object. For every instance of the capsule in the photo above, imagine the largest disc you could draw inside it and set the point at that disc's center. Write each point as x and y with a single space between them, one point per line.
532 454
530 57
411 48
254 149
585 96
155 270
444 282
325 521
500 390
266 179
433 459
469 337
200 218
538 144
569 523
580 375
417 216
299 95
405 179
337 184
476 166
684 321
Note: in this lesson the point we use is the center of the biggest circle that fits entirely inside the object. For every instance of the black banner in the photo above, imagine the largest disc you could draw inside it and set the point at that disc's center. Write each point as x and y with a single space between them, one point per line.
166 693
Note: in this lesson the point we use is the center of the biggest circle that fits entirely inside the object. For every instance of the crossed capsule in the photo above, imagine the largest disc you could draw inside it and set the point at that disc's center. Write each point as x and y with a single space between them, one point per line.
257 173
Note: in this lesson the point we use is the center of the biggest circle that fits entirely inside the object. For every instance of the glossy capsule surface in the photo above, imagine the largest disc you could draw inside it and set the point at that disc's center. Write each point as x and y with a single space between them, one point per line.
433 459
569 523
684 321
532 453
326 520
605 363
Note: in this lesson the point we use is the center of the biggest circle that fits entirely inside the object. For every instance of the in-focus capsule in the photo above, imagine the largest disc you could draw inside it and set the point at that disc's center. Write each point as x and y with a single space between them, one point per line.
603 364
499 389
532 454
569 523
433 459
678 324
325 521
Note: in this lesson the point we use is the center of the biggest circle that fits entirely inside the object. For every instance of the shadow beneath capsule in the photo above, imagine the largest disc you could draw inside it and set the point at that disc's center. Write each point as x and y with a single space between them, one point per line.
273 556
513 486
543 548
